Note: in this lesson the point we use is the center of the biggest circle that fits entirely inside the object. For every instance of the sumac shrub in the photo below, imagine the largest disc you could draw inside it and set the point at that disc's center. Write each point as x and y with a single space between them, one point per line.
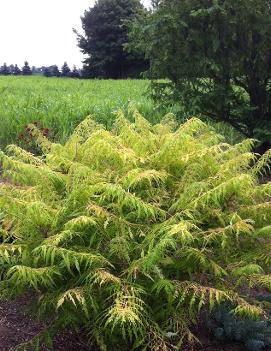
131 233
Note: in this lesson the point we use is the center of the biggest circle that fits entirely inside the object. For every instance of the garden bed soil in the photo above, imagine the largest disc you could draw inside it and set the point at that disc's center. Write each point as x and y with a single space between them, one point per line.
18 325
209 343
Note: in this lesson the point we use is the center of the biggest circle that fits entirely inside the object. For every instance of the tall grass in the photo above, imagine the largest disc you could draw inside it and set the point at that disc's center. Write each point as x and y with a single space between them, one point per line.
61 104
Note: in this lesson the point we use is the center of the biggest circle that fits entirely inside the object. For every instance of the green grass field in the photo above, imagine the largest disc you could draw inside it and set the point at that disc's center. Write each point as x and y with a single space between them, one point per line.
60 104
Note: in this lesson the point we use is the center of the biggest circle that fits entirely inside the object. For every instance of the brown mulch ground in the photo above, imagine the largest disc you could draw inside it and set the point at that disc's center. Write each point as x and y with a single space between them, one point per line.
18 325
209 343
265 179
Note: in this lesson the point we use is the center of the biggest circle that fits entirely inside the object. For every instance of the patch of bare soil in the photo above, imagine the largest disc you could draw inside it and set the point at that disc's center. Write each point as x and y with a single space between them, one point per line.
18 326
265 179
209 343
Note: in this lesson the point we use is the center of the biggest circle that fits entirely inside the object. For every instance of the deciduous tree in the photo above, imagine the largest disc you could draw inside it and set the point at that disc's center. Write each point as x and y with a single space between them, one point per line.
217 56
105 33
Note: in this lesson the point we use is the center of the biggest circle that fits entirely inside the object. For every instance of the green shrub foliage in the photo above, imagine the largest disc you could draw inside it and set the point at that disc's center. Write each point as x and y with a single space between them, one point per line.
132 232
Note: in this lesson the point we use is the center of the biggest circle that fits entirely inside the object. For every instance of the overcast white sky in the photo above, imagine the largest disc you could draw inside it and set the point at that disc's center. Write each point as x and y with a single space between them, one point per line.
40 31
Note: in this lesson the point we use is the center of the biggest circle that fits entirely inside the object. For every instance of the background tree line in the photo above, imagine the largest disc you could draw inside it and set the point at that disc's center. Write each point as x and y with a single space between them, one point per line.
50 71
15 70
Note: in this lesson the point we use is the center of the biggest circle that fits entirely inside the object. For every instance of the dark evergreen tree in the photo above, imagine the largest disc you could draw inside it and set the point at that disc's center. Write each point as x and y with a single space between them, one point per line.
26 70
55 71
47 72
74 73
11 68
16 70
106 33
5 70
65 70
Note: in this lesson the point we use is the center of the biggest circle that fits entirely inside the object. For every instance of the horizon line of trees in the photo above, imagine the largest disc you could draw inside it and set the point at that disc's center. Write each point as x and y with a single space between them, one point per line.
47 71
104 42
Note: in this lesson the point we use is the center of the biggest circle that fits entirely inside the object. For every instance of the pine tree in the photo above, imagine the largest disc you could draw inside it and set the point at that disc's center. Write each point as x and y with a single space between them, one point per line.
74 73
26 70
65 70
55 71
47 72
16 70
5 70
11 68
